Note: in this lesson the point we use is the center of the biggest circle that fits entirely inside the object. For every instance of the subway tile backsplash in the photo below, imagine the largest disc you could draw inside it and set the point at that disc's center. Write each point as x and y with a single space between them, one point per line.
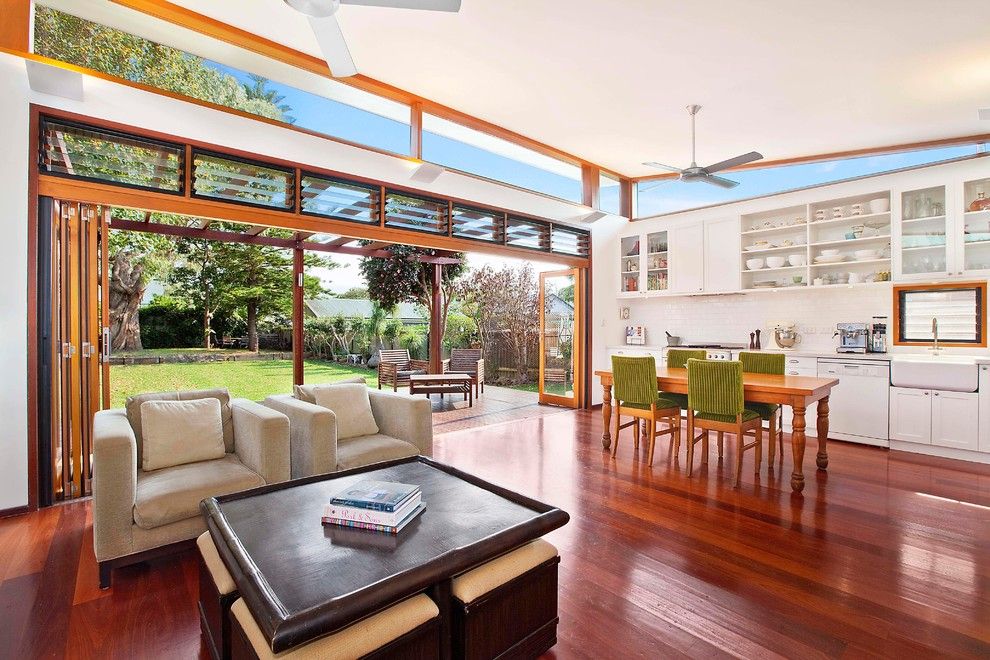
730 318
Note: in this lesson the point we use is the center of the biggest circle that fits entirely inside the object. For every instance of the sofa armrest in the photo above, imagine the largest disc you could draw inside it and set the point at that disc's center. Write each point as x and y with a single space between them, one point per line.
312 435
404 417
261 439
114 483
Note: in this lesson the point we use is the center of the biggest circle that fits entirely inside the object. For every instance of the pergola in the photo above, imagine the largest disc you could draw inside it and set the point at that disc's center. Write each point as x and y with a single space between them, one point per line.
299 243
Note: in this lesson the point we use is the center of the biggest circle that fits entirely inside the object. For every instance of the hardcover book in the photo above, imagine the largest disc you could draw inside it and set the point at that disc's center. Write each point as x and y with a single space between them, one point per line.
375 495
360 514
388 529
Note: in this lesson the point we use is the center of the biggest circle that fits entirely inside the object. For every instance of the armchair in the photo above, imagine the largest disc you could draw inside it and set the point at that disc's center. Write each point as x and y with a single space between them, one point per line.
395 367
140 514
468 361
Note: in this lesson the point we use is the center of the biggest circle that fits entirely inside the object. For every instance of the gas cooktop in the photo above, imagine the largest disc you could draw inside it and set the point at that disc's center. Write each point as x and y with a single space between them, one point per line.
724 346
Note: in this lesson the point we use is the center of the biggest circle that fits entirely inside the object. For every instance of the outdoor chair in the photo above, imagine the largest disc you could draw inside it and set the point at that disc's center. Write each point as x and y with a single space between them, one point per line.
395 367
467 361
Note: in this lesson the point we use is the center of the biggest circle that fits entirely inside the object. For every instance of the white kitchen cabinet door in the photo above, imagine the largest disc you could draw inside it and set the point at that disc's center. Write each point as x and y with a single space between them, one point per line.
722 259
687 258
953 417
911 415
984 412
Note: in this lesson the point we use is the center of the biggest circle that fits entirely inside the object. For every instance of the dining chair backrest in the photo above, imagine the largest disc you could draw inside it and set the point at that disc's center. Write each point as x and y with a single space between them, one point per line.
715 386
634 379
677 357
762 363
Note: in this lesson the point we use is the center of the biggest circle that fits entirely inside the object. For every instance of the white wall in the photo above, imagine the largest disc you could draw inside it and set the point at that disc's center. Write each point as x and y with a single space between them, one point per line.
13 292
730 318
123 104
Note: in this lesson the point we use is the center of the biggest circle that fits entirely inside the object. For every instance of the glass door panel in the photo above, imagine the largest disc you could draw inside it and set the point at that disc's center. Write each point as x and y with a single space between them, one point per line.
629 264
656 261
976 221
923 231
560 337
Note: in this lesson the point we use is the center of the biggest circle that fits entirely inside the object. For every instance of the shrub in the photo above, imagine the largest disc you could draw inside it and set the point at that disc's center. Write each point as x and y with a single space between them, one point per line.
167 323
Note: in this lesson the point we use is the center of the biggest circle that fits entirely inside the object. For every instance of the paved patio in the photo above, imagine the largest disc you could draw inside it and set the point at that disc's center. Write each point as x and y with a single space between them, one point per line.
496 405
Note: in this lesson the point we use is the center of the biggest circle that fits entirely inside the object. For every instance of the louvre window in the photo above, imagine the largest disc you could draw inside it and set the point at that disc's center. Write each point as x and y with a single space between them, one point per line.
341 200
569 241
527 234
417 213
244 182
79 151
477 224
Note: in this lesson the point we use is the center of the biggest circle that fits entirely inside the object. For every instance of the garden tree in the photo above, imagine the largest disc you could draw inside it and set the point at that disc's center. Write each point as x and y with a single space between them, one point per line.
462 330
401 277
196 278
259 90
78 41
504 304
258 280
135 259
354 293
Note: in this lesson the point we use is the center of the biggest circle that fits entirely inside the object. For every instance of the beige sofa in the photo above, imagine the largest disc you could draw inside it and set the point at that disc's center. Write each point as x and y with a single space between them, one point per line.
137 514
405 428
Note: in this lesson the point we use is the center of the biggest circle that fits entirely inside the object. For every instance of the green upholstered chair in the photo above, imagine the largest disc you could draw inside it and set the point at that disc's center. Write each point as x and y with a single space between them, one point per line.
677 359
634 386
772 413
715 403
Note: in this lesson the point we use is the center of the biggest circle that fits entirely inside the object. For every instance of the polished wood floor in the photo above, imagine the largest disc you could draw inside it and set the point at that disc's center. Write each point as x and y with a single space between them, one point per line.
886 555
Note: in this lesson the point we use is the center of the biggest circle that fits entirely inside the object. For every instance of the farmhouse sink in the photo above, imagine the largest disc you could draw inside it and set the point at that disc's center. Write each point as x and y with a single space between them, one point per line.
955 373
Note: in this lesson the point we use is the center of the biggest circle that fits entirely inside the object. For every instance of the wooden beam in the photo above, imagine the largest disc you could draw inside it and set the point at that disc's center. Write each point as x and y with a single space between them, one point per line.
590 193
436 322
416 130
626 188
340 240
15 28
255 231
298 372
204 223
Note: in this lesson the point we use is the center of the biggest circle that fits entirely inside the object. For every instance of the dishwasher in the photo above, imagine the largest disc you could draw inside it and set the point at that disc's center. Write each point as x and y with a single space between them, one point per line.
859 404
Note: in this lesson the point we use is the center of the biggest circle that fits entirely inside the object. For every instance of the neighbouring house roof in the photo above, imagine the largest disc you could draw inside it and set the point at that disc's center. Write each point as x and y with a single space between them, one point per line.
328 306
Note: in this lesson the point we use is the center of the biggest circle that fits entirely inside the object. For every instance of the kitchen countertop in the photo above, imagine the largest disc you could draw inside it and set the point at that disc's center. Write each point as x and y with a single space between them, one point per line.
824 353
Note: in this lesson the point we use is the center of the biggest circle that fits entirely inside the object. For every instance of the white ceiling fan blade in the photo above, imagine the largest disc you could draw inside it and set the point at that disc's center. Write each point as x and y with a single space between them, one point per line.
734 162
718 181
333 46
653 185
661 166
432 5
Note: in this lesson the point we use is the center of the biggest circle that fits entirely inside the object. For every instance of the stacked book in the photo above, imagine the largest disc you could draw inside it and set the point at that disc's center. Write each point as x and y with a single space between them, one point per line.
381 506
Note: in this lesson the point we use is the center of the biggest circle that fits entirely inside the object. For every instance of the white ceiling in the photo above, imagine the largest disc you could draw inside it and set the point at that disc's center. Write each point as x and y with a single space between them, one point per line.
607 80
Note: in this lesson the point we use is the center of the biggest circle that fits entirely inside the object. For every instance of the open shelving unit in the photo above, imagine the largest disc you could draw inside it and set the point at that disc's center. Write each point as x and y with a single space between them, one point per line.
800 234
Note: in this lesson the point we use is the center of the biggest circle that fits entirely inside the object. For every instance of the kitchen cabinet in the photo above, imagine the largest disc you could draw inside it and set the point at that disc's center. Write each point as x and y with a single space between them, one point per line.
983 423
934 417
687 263
911 415
952 419
721 256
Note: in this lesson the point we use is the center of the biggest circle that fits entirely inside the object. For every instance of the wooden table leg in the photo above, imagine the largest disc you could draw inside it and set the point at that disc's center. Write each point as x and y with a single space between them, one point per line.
822 458
797 447
606 415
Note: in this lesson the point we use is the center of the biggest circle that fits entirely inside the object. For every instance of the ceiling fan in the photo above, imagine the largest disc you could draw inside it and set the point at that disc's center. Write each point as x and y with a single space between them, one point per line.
707 174
322 18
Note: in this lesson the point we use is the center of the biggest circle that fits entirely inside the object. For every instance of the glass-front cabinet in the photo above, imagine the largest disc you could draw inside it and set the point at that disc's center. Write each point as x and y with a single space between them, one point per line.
629 264
656 261
976 226
925 232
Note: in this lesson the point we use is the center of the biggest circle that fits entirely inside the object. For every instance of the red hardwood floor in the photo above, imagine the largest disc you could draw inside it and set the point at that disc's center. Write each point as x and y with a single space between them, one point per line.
886 555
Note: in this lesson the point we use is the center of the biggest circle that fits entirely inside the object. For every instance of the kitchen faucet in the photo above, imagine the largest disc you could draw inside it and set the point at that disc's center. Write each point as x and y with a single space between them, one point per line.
935 349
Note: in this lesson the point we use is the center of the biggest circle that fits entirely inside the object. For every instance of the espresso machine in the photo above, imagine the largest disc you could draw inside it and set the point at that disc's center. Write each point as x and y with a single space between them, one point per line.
878 335
853 337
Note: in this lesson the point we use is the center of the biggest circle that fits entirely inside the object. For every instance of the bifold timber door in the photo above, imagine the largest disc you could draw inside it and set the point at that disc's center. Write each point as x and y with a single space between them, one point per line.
561 338
73 320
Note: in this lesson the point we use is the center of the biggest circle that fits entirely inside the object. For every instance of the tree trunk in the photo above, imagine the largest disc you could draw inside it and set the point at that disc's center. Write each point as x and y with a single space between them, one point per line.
126 291
207 319
252 326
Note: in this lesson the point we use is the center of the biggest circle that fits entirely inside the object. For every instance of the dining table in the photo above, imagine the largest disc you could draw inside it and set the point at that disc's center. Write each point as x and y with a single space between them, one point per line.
798 392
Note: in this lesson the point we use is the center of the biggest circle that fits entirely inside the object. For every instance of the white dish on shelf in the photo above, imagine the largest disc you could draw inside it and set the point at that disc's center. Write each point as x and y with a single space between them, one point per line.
866 255
764 284
754 264
831 252
830 258
796 259
776 262
879 205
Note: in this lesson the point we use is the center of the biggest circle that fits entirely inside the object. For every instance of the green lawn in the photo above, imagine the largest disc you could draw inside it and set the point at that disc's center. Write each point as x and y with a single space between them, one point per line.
253 380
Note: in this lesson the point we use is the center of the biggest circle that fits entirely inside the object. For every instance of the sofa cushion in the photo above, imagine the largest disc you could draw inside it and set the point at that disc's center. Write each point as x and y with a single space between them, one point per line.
307 393
357 452
469 587
411 372
173 494
133 407
178 432
351 405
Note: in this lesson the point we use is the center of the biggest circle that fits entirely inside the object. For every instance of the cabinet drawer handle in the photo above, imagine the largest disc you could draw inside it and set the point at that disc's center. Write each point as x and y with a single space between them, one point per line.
936 394
926 393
